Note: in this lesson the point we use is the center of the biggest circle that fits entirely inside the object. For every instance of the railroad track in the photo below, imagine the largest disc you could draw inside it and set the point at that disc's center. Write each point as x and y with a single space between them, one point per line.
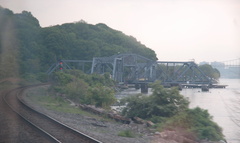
49 128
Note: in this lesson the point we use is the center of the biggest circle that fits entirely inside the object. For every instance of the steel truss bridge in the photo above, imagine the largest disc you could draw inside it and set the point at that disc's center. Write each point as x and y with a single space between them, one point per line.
136 69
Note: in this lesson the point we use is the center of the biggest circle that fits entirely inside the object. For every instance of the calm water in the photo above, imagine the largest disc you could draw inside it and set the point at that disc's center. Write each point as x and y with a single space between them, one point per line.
222 104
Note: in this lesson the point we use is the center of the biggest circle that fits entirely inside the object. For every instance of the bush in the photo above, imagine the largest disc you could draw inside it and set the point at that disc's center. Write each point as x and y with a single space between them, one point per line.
101 96
157 119
43 77
203 124
169 110
61 78
163 102
86 89
126 133
198 121
77 90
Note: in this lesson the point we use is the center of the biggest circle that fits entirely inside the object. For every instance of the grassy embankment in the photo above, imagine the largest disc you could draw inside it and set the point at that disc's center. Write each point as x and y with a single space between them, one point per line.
42 97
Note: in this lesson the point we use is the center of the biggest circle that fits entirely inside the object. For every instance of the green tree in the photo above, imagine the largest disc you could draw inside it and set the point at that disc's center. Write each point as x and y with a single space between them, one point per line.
101 96
169 101
163 102
210 71
29 48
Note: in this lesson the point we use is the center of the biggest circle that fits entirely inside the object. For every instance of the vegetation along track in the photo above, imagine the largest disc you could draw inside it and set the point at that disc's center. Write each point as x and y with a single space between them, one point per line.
58 132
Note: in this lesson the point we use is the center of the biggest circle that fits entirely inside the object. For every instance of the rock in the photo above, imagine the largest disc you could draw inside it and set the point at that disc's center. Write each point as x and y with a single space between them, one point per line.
138 120
99 124
149 123
173 135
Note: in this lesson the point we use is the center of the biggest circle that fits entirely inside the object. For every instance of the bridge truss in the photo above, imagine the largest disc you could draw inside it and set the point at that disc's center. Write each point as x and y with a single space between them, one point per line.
129 68
61 65
175 73
136 69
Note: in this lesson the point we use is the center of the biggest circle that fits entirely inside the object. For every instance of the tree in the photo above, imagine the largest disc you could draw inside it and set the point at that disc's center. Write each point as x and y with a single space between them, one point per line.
210 71
163 102
101 96
34 46
169 101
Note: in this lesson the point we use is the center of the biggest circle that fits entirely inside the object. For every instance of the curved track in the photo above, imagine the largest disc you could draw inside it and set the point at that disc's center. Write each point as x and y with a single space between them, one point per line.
46 127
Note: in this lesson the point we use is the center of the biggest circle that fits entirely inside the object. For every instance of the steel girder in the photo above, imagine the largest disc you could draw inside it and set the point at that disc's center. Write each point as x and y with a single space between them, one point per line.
124 67
174 73
133 68
69 64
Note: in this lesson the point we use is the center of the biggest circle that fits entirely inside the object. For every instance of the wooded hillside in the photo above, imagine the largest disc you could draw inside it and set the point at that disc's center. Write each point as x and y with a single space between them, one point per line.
26 47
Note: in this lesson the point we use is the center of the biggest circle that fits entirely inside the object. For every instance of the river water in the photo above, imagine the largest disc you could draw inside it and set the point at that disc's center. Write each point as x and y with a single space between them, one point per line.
222 104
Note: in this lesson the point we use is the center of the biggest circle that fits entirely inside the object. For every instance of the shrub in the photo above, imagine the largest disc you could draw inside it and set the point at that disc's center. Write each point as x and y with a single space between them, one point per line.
101 96
163 102
87 89
126 133
77 90
198 121
169 110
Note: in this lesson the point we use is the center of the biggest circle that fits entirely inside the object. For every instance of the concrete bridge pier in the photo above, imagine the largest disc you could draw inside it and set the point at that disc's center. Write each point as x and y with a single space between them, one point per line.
137 86
205 88
144 88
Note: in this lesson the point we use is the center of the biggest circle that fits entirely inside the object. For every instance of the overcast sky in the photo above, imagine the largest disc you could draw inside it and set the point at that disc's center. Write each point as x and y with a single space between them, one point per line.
177 30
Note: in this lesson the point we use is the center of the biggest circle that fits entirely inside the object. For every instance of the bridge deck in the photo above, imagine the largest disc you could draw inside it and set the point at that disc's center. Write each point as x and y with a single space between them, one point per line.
202 85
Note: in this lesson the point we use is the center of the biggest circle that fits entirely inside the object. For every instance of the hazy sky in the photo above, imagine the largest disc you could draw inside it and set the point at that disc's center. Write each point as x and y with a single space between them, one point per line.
204 30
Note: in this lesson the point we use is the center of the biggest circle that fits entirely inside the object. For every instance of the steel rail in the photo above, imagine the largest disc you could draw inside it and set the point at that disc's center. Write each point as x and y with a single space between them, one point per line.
46 134
54 121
